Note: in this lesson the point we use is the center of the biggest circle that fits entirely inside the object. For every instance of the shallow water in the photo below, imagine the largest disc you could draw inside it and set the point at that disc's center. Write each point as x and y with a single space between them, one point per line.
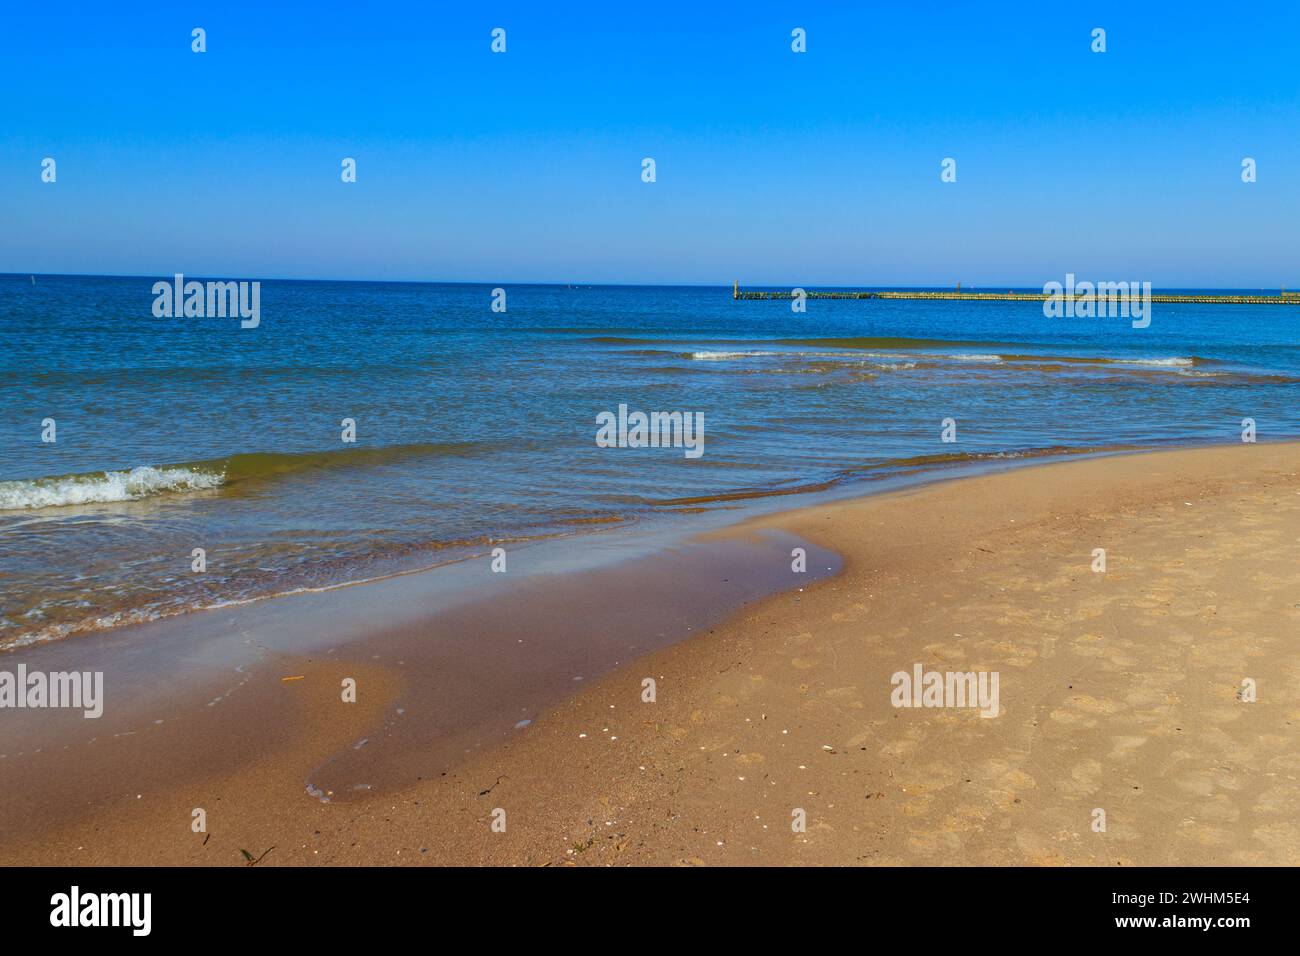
476 428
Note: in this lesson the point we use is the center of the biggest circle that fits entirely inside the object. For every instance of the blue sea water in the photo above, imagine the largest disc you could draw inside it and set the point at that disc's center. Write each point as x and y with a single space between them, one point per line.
476 427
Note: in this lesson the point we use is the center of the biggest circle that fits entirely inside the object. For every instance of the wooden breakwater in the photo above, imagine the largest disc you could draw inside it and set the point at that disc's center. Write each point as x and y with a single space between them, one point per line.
1283 298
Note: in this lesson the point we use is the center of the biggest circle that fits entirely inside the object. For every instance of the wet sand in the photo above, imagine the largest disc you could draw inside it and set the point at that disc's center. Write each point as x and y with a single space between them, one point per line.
1120 691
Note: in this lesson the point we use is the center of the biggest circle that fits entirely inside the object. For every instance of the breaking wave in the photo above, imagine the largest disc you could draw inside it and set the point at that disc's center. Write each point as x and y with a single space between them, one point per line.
103 487
149 481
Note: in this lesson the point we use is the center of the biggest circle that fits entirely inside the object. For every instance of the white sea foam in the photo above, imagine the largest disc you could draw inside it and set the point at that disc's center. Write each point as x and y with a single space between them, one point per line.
707 356
103 487
1179 362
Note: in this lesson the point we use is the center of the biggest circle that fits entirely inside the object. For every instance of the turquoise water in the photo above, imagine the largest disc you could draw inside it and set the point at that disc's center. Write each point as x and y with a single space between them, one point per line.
476 427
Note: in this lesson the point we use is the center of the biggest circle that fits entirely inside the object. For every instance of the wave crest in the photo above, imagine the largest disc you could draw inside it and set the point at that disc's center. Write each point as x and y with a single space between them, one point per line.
147 481
103 487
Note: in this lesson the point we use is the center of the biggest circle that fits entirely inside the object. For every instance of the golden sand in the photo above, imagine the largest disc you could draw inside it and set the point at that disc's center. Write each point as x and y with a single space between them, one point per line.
1126 691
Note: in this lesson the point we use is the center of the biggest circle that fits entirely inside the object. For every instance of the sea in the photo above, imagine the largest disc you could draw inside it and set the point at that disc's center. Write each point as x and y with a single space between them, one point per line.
155 465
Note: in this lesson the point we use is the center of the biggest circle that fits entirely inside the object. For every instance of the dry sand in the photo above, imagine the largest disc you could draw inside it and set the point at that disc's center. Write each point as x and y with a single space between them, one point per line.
1120 691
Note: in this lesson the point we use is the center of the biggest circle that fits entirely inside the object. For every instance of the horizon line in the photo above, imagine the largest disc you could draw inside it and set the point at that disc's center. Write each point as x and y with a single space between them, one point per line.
590 284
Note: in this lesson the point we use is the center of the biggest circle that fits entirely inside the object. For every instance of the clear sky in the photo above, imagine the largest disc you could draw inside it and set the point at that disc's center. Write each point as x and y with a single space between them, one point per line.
772 167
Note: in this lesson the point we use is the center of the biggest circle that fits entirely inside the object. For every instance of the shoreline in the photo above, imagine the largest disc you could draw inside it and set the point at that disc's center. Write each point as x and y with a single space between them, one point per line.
705 774
460 656
657 527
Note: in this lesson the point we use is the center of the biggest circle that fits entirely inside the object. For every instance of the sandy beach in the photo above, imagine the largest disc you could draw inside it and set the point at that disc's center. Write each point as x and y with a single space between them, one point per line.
1124 690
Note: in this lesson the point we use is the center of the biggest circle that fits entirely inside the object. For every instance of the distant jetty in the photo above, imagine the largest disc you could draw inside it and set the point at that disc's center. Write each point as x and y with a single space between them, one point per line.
1282 298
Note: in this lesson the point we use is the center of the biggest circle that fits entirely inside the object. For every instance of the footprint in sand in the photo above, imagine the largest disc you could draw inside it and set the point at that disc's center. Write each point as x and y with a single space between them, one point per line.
1083 779
1070 719
1089 645
1200 783
1276 800
1124 747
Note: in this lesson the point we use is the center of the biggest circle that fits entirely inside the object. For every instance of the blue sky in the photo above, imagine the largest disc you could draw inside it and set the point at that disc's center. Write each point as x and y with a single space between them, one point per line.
773 167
